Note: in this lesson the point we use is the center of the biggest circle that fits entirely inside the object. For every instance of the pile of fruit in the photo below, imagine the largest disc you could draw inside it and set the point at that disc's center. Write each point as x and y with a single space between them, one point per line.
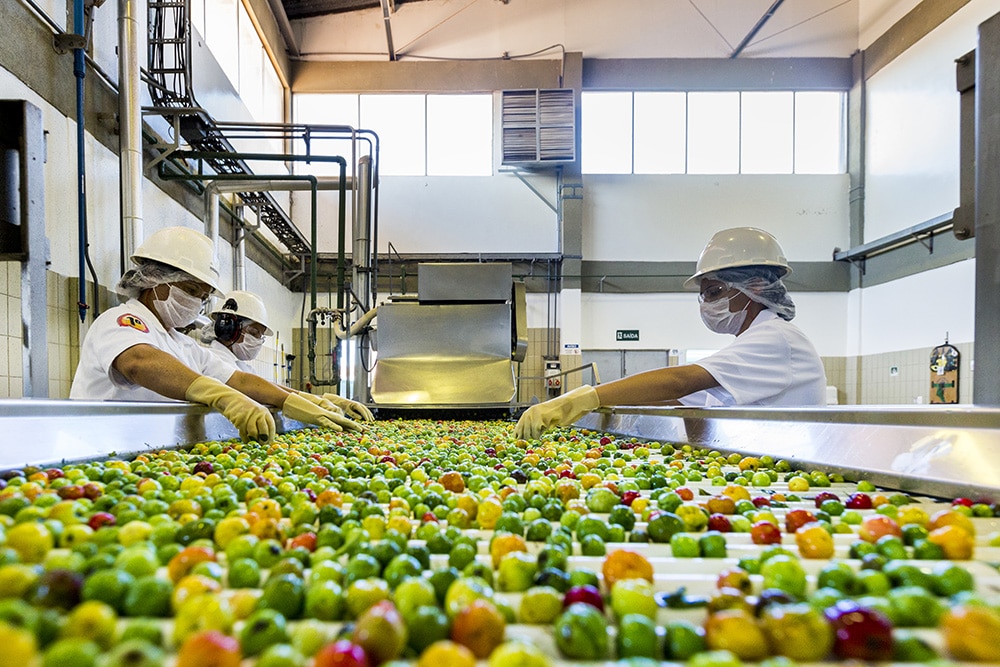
444 543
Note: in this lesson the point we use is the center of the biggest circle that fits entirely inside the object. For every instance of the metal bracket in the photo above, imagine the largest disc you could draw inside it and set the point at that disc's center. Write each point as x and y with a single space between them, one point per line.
571 191
65 42
929 244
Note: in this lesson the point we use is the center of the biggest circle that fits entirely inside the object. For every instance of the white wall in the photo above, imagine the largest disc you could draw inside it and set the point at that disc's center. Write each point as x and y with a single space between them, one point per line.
671 321
597 28
670 218
912 157
877 16
441 214
912 312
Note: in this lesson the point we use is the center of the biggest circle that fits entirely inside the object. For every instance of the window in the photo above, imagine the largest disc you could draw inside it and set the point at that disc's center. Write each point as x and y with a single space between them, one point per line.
222 37
766 133
325 109
660 119
459 135
432 135
399 122
606 129
819 131
713 133
772 132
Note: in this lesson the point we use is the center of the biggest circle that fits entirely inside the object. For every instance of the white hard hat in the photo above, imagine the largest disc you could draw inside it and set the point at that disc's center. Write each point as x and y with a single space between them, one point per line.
184 249
245 304
736 247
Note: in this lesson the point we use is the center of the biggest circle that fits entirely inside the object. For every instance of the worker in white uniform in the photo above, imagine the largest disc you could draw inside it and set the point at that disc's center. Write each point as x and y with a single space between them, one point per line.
771 362
236 335
134 352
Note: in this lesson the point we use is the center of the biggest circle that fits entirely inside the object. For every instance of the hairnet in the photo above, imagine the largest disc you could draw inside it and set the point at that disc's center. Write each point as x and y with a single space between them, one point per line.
148 274
762 284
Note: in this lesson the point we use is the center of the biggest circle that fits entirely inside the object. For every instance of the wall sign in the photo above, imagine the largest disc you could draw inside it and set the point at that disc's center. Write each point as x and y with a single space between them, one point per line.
627 334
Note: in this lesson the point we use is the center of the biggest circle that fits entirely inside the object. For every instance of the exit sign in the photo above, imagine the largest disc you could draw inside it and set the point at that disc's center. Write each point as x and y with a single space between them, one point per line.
627 334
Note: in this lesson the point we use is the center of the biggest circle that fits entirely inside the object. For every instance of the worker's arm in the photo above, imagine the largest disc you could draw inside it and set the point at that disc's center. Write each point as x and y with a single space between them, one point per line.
258 388
163 373
155 370
657 386
650 388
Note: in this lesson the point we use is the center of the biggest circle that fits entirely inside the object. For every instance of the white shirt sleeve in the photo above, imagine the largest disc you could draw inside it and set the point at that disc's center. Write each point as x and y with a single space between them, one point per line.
771 363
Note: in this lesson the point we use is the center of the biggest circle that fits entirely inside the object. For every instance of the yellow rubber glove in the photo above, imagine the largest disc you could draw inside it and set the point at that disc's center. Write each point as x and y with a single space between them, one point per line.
251 419
303 410
320 401
351 408
560 411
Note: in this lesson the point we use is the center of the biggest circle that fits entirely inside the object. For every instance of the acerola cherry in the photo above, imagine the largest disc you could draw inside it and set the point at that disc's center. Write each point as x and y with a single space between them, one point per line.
587 594
860 633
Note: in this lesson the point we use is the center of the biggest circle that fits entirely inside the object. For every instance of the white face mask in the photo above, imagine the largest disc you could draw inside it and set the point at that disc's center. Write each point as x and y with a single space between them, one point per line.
179 308
718 318
247 348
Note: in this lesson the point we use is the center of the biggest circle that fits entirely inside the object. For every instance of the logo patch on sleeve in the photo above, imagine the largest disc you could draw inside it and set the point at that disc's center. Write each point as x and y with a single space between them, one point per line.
133 322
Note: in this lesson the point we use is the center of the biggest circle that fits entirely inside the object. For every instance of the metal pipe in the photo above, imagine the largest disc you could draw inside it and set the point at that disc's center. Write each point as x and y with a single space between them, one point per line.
79 71
362 270
212 223
130 126
240 258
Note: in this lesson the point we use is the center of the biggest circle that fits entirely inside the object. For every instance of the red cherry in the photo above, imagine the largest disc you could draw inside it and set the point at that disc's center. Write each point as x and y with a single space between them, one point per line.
343 653
587 594
70 492
860 633
99 519
858 501
629 496
720 522
823 496
765 532
797 518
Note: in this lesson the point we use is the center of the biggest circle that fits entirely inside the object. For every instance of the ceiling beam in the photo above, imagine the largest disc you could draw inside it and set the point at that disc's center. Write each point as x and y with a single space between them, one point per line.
387 8
754 30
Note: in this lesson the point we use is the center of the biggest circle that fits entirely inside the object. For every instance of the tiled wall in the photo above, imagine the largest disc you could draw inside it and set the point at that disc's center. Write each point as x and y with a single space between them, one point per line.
902 377
11 372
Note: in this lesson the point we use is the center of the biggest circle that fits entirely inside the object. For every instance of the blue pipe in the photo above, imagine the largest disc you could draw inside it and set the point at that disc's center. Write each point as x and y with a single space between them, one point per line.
79 70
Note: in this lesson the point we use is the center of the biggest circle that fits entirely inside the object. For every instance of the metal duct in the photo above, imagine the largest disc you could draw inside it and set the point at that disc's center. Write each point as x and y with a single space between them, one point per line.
130 126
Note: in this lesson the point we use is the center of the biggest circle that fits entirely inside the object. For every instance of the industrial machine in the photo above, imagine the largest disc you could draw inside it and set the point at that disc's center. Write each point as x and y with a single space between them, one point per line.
456 342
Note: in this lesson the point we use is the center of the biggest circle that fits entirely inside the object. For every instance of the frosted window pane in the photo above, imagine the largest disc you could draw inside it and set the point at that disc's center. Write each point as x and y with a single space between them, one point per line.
273 107
398 120
251 65
325 109
713 133
459 135
222 37
819 133
606 137
196 14
766 133
660 133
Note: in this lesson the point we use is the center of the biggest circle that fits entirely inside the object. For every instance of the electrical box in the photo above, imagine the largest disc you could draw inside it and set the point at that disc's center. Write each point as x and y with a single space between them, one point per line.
552 378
